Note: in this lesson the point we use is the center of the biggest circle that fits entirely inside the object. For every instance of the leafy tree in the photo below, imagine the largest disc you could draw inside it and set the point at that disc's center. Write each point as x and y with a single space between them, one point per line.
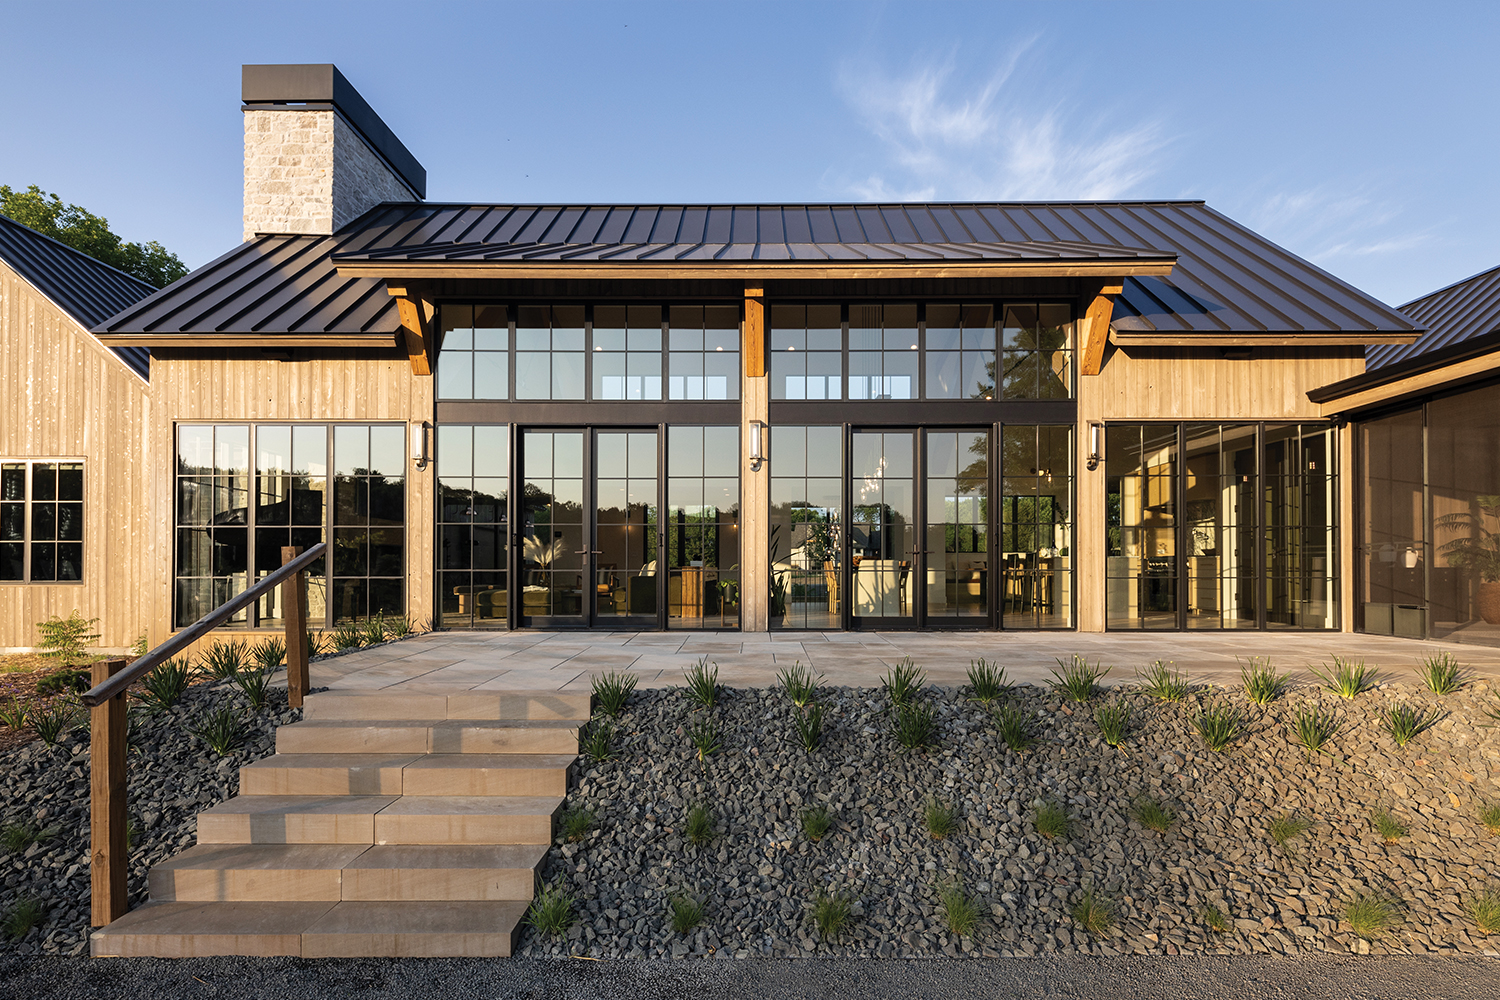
90 234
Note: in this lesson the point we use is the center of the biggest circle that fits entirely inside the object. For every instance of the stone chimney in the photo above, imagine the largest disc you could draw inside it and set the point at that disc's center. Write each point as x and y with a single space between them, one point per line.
316 155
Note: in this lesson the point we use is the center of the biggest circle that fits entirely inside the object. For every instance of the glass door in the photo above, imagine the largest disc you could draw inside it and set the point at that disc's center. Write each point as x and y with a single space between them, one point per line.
883 529
626 551
956 556
553 557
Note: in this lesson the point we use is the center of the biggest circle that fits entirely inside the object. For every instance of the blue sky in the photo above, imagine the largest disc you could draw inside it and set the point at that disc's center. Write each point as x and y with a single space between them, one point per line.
1359 135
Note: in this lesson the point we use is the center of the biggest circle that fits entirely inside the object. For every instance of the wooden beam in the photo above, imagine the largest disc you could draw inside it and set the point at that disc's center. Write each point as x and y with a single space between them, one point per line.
1094 332
757 271
417 312
108 863
1449 376
1189 339
294 614
753 337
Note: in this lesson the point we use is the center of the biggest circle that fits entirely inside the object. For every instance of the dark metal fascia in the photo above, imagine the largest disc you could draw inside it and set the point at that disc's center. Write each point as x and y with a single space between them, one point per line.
1419 365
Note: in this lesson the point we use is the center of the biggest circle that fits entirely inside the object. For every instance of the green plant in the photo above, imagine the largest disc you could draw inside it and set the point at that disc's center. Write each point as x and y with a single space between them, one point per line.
1286 828
1163 681
597 741
347 635
165 685
1489 815
141 646
14 714
1403 723
1094 912
551 911
269 653
816 822
1014 725
940 818
807 725
317 644
1078 679
687 912
1152 813
18 837
224 659
1369 914
25 915
915 725
612 691
51 722
1484 909
64 682
830 911
1215 919
699 826
67 638
704 736
960 910
374 629
799 684
576 822
903 682
702 683
398 627
1441 673
255 685
1051 822
1262 683
222 731
1388 826
1311 729
1346 677
1113 719
987 682
778 594
1476 547
1219 726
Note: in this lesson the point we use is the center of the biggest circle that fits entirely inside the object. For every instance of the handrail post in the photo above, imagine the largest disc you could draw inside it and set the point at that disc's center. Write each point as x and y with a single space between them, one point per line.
294 612
107 848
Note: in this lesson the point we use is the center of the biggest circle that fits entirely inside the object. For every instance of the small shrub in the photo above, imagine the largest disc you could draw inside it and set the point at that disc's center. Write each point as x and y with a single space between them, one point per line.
317 644
18 837
960 910
1493 713
551 912
1093 912
703 683
269 653
1014 725
1489 815
1078 679
1113 719
164 686
1051 821
1388 826
1312 729
987 682
816 822
1163 681
807 726
1215 920
799 684
1152 813
1219 726
1286 828
1262 683
612 691
1484 909
141 646
687 912
399 627
576 822
64 682
597 741
1441 673
699 827
51 722
830 911
940 818
221 731
347 635
1346 677
255 685
915 725
704 736
66 639
1403 723
224 659
1369 914
903 683
374 629
14 714
26 915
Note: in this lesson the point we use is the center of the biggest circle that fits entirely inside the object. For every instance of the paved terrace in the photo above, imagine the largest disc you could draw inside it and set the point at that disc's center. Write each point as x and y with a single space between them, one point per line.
531 661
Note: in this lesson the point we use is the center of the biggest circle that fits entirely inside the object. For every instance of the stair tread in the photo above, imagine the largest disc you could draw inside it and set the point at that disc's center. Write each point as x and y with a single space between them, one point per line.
450 856
265 857
437 724
411 760
355 805
180 930
482 761
362 805
473 805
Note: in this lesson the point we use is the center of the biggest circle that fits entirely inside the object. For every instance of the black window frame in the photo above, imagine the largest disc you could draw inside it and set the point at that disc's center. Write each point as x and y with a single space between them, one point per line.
28 505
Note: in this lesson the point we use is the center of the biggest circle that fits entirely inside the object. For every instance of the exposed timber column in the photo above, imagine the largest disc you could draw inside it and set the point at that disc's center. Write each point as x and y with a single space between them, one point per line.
1098 301
755 477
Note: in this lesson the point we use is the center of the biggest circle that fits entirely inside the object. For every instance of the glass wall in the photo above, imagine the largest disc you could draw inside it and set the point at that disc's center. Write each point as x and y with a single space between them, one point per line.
473 471
883 523
626 509
883 351
958 524
807 352
703 527
1036 526
553 524
807 518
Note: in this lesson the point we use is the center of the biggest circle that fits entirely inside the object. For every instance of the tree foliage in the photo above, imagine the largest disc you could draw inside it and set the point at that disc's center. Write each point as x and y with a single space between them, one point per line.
90 234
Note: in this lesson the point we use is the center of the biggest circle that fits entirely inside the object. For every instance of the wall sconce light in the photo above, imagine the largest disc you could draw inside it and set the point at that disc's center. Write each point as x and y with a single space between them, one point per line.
757 444
1096 444
419 444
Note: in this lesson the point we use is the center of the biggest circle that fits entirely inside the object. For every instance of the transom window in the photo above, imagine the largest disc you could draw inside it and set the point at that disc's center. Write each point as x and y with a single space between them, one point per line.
41 522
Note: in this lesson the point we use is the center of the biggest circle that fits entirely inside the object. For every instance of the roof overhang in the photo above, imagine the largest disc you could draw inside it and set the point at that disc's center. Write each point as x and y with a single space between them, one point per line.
1471 361
1125 338
752 270
252 341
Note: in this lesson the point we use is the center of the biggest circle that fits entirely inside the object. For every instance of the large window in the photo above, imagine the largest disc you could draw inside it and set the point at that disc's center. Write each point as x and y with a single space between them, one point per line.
883 351
1036 526
476 353
473 469
41 522
234 514
703 527
807 515
704 361
549 352
807 352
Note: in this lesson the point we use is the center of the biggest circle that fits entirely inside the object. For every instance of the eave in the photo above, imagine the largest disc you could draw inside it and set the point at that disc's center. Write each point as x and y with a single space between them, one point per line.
753 270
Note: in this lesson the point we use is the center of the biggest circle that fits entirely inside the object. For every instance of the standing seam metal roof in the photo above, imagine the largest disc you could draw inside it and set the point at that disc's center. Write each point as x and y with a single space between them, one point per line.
1463 311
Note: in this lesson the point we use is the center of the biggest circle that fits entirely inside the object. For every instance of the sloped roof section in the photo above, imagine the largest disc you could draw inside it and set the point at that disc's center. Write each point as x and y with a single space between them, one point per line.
1198 274
89 290
1453 315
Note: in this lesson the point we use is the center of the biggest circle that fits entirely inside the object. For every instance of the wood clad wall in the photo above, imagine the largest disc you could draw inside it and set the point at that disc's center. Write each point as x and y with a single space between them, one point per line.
332 386
67 396
1165 384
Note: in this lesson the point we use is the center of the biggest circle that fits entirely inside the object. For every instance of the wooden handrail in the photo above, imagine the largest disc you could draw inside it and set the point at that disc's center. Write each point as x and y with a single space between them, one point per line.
185 638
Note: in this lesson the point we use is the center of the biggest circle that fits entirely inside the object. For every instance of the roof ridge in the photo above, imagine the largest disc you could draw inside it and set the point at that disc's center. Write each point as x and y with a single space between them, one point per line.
1448 287
77 253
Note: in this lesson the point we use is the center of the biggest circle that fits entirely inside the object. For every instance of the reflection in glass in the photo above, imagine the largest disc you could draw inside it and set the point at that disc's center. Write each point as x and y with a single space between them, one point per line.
1141 526
1036 526
625 527
702 527
958 517
882 532
807 543
552 539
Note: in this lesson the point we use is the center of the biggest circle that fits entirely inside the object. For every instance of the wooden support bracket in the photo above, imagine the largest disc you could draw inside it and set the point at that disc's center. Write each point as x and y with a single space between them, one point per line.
108 863
753 340
1094 335
417 313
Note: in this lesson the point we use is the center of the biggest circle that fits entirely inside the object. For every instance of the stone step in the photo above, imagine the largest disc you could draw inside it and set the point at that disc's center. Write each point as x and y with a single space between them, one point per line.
531 736
303 873
314 930
409 774
379 819
489 706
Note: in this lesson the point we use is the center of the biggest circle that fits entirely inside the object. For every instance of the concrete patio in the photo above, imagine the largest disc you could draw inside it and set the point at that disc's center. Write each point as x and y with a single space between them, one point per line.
531 661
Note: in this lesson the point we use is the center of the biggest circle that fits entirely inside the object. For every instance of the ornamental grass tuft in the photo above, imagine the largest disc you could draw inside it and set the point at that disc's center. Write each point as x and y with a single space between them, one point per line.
1051 822
1347 678
224 659
960 910
807 726
612 691
1489 815
940 819
702 683
1163 681
1013 723
1312 729
164 686
686 912
1441 673
1286 828
1219 726
255 684
816 822
830 911
1263 684
347 635
915 726
14 714
1094 912
551 911
221 731
704 736
1078 679
1370 914
1484 909
903 683
22 918
52 721
575 823
699 825
1113 720
269 654
597 740
1403 723
1152 813
799 684
1387 825
987 683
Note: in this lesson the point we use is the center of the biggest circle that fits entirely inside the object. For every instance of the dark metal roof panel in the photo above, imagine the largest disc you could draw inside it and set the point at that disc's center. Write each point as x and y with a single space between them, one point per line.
86 289
1460 312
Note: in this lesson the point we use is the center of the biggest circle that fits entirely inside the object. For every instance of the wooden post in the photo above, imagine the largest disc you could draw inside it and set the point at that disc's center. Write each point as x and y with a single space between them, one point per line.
107 850
294 611
753 339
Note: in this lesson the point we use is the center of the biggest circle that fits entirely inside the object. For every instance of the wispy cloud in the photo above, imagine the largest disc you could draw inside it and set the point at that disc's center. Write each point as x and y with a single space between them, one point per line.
1000 137
1326 223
